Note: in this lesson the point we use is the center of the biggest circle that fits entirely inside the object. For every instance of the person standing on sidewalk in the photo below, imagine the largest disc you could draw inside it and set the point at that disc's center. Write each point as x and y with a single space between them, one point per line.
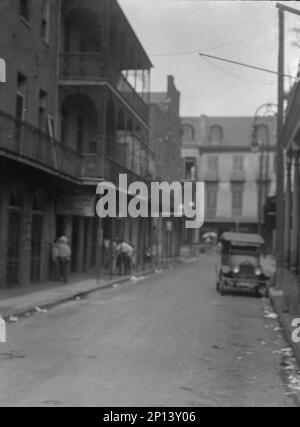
64 251
55 261
126 251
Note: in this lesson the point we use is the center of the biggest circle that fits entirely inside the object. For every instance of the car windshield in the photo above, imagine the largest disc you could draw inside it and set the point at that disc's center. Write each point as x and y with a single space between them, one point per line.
241 249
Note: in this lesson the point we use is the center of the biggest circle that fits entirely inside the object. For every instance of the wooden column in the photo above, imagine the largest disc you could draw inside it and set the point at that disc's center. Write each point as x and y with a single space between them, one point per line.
295 221
287 214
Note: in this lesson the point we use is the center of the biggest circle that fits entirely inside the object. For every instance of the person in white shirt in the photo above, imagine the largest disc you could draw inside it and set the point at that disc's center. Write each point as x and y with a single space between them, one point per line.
64 252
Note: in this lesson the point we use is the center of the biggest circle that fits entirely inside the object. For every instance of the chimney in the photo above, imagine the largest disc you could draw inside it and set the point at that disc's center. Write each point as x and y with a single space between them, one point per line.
171 85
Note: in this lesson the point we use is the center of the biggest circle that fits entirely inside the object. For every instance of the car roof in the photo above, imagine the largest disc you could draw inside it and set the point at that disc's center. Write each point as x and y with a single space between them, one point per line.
254 239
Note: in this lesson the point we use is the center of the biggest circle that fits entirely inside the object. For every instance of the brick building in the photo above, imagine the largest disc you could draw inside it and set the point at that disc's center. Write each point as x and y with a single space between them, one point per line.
74 110
165 140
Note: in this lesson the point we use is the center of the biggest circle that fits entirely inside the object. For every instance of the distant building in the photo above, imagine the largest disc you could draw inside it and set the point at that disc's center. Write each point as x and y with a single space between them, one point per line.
165 140
217 150
74 110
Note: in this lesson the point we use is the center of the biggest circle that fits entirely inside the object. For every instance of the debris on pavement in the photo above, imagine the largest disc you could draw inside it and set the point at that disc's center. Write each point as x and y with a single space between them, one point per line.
136 279
269 314
40 310
13 319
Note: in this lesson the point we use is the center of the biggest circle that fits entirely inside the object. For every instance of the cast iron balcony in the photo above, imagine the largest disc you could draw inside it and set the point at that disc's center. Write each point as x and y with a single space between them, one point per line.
76 68
26 144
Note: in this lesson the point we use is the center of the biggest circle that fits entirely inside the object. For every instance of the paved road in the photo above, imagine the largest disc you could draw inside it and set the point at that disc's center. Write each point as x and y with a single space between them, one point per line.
169 340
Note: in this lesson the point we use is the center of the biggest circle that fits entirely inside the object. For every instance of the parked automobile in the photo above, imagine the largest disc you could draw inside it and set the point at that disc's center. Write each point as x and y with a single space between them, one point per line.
238 266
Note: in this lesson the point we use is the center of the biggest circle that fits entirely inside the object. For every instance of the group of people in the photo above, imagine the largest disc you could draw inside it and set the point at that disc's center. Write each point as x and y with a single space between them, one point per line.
61 257
118 256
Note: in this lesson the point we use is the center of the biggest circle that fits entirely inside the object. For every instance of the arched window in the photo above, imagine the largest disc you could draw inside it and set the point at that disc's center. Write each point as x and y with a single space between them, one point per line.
215 134
188 132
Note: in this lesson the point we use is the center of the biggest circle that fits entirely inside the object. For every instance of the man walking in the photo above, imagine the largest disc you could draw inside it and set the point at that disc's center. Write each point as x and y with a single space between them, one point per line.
64 252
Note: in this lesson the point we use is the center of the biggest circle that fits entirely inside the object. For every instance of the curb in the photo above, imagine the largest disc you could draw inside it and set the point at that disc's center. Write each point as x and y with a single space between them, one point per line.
61 300
287 329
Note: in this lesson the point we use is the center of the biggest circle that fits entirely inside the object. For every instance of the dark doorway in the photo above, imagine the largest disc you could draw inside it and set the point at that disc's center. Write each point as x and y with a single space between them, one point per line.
36 246
13 246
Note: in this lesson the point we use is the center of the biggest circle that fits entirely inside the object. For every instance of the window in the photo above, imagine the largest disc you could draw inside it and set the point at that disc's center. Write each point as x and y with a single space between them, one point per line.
212 163
215 135
237 199
238 163
24 9
188 132
42 109
190 169
45 19
211 199
21 94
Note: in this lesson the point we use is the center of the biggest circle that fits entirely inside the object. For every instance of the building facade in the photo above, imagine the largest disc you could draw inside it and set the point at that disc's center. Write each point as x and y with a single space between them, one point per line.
288 269
165 140
238 181
73 111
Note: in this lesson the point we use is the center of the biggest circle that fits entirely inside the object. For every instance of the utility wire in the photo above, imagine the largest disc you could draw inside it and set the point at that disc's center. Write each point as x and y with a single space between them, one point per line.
254 67
238 76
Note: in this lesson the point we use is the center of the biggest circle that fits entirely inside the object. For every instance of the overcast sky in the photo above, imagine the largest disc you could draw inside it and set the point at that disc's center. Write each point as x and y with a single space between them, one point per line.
173 31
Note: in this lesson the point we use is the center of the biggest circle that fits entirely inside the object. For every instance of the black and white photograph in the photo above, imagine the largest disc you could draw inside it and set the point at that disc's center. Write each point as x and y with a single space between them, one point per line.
149 206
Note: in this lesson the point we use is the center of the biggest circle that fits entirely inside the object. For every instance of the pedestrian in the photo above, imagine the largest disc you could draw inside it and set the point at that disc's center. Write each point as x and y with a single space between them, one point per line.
55 267
126 251
148 257
64 251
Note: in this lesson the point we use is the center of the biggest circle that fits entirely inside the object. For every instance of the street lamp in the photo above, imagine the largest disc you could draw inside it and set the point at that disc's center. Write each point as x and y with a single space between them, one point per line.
259 146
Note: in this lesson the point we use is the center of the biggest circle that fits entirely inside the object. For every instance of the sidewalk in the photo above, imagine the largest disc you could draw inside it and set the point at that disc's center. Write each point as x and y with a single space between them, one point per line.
20 301
285 320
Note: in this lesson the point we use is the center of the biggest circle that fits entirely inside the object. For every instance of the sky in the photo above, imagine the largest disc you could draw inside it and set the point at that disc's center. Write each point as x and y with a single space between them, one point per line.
174 31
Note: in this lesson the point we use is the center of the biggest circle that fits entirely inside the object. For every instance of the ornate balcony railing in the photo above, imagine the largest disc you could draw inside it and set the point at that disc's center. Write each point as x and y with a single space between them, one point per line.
100 67
23 142
112 169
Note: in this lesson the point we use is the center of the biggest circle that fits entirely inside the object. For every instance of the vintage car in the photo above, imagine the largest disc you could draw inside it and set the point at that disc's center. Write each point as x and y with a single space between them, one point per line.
238 266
